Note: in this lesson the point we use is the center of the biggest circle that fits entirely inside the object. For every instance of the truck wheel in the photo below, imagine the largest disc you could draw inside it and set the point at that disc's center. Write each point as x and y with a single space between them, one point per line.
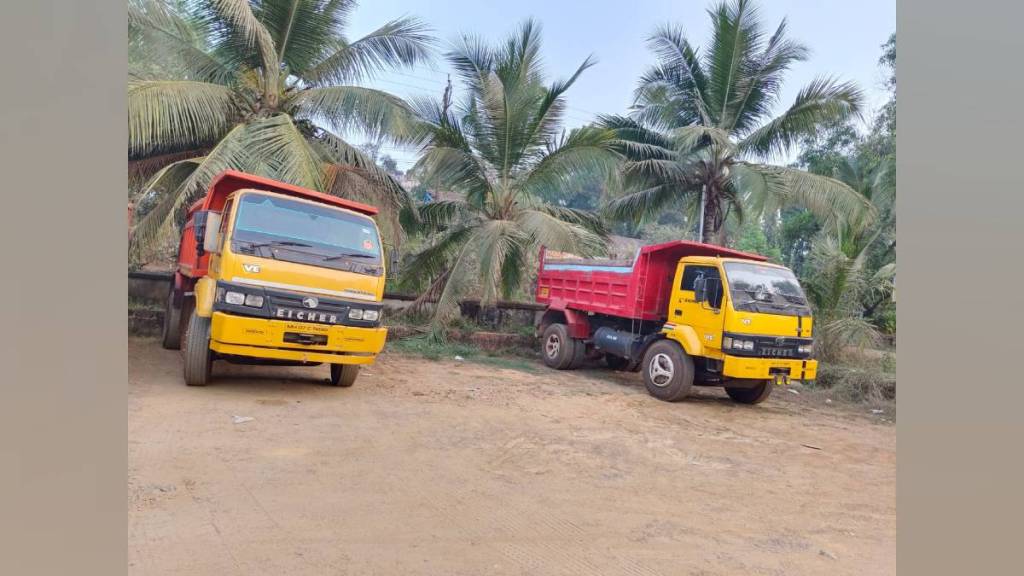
171 330
750 394
559 349
668 371
579 354
198 357
616 362
344 375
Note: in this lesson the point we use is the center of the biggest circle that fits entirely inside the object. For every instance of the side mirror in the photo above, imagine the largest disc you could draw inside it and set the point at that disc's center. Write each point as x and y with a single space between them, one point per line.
712 293
199 230
700 289
210 243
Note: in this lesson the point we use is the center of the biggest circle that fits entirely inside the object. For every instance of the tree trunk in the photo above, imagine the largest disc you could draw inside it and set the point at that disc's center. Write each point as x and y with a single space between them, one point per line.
714 232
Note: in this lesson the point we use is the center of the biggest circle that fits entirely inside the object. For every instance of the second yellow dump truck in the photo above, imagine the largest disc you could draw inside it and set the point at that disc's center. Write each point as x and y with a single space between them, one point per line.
684 313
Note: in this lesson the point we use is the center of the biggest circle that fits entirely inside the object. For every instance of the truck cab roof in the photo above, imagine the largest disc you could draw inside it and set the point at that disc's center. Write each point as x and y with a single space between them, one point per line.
230 181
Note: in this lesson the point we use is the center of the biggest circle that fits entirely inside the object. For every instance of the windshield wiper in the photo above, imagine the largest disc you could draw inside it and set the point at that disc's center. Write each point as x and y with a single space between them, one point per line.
348 255
279 243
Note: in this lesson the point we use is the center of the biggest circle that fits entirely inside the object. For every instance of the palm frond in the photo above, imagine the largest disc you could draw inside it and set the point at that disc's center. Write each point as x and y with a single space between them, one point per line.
175 115
680 75
303 30
639 205
375 114
399 43
175 42
822 101
545 229
830 200
284 152
586 152
164 220
431 262
238 14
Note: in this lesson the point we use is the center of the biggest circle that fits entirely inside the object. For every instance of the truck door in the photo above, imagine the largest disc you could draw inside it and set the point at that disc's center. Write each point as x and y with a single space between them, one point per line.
706 318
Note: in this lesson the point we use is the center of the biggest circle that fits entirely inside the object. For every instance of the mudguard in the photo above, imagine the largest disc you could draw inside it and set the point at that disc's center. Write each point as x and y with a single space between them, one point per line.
206 289
687 338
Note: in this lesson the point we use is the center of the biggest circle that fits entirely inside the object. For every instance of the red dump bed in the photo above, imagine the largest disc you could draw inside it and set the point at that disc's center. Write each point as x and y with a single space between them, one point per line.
637 289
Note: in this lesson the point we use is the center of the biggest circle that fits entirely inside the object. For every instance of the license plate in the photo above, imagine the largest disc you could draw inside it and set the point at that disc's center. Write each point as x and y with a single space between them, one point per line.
306 315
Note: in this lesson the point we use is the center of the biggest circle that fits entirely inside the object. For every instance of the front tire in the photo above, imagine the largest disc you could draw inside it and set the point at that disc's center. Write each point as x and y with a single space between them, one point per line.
171 329
668 371
344 375
198 356
750 394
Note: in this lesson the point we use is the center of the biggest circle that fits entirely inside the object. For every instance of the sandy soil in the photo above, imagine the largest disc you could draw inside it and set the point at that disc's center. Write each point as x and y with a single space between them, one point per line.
456 468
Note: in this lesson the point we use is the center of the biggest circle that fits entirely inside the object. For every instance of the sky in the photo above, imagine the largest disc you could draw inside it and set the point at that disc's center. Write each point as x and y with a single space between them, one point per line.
844 38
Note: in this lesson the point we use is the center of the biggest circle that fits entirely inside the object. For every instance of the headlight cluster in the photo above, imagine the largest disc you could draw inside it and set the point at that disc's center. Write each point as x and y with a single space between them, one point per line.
806 349
737 344
360 314
239 299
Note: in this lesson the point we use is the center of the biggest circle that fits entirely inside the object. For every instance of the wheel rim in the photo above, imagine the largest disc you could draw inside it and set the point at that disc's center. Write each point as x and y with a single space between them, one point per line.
553 344
661 370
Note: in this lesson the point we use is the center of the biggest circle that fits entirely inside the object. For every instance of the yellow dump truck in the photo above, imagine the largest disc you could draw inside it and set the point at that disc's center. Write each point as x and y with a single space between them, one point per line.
272 273
685 313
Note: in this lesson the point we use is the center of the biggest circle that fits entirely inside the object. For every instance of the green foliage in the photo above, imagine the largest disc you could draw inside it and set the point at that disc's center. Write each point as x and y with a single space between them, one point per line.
502 150
752 239
436 349
701 127
857 384
261 87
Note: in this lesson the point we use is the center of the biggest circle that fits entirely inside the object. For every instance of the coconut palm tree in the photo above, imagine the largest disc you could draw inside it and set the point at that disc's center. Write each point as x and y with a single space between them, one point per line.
262 86
701 131
497 149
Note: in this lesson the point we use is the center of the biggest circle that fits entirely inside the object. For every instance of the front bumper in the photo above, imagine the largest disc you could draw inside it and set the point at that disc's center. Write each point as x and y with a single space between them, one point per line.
769 368
262 338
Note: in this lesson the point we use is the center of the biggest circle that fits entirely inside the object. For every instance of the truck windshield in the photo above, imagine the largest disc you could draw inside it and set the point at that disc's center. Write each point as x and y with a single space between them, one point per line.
767 289
306 233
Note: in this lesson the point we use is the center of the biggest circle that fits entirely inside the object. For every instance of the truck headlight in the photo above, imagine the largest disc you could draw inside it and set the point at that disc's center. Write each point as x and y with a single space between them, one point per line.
727 342
254 300
355 314
748 345
236 298
805 349
371 315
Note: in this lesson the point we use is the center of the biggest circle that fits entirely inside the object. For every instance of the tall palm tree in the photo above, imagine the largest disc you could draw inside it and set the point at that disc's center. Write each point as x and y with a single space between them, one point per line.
264 86
497 149
701 128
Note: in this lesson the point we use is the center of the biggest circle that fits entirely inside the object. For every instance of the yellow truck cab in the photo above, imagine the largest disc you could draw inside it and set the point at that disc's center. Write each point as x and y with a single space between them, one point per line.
684 313
275 274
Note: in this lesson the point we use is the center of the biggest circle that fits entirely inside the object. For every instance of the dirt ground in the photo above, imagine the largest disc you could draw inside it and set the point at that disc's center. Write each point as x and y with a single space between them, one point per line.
457 468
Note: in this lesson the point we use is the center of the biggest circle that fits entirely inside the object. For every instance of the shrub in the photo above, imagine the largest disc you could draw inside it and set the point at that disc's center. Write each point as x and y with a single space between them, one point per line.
869 385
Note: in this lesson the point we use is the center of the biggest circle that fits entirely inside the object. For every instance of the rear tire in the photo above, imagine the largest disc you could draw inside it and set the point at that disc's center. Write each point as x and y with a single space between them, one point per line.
344 375
750 395
198 356
171 330
579 354
668 371
557 348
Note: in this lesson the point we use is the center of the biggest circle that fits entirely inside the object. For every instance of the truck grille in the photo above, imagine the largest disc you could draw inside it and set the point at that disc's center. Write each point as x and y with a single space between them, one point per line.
769 346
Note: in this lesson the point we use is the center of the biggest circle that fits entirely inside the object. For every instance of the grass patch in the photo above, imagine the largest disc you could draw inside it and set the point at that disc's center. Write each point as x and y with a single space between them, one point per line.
426 347
872 385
